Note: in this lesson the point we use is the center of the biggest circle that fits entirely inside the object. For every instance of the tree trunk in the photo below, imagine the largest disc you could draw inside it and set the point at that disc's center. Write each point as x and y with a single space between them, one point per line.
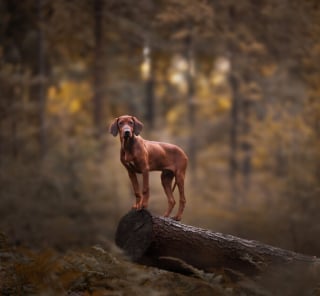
149 115
170 245
98 70
234 117
38 88
246 145
150 105
191 103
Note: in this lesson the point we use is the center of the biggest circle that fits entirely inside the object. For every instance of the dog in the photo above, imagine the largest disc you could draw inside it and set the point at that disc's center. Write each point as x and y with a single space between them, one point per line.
140 156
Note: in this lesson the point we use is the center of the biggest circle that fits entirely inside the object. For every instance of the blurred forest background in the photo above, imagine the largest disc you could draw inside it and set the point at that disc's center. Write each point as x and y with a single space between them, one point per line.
235 83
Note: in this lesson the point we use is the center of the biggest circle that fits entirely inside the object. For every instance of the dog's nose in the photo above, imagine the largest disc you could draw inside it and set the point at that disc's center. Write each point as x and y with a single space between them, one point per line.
127 133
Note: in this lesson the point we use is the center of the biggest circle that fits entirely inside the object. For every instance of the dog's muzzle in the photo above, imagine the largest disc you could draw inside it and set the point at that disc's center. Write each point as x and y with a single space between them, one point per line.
126 132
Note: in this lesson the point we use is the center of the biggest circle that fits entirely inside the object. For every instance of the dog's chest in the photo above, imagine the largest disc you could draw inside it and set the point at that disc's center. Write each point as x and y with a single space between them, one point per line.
128 157
132 165
130 162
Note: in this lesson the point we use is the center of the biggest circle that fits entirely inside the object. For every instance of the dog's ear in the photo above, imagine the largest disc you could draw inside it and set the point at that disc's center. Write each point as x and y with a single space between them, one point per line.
138 125
113 128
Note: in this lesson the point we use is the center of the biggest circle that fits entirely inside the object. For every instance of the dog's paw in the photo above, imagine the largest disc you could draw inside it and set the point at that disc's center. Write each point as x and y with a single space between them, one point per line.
176 218
135 206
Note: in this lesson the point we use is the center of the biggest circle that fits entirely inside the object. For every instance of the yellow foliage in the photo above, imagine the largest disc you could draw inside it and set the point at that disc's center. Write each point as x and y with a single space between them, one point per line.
175 115
145 69
75 106
69 97
268 70
224 104
218 79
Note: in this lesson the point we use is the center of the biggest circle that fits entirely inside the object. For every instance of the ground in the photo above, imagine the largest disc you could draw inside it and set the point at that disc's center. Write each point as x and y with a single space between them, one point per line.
106 271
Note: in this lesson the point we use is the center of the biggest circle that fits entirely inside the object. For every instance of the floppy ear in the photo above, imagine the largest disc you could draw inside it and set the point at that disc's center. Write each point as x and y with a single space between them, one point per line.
113 128
137 126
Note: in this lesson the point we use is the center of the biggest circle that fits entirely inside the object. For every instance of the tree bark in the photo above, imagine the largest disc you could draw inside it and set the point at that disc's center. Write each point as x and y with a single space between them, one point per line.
167 244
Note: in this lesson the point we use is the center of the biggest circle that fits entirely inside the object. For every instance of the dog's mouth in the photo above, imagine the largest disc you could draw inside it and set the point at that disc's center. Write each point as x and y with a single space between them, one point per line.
127 133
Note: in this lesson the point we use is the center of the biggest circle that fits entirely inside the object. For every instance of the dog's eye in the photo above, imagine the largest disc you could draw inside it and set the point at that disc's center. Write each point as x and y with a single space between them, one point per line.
120 123
130 122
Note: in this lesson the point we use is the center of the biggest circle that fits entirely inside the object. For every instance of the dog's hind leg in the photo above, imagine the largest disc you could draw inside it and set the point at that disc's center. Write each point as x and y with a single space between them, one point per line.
182 199
166 181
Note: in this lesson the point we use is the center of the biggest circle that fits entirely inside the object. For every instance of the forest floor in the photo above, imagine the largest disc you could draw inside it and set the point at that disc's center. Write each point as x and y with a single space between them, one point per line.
106 271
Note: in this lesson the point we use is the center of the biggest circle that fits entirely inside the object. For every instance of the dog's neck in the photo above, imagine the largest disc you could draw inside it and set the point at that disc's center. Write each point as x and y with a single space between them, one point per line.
127 148
127 143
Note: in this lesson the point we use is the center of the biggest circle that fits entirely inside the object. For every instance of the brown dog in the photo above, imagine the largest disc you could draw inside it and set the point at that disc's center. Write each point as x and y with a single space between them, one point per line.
141 156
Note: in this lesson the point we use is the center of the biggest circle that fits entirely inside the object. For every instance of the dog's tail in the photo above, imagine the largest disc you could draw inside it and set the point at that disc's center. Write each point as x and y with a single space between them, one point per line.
174 185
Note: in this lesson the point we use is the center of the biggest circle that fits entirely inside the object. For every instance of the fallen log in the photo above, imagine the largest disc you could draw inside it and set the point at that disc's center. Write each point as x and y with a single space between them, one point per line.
168 244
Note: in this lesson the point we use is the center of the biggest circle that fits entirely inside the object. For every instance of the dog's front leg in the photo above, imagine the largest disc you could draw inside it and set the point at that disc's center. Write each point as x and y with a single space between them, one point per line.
136 189
145 190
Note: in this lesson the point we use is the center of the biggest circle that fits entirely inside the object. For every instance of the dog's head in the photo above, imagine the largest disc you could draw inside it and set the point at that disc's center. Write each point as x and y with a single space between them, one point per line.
127 126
